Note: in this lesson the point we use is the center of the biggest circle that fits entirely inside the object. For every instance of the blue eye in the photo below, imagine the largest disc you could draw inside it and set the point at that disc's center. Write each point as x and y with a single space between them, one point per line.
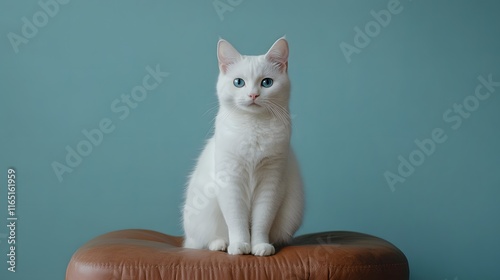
267 82
238 82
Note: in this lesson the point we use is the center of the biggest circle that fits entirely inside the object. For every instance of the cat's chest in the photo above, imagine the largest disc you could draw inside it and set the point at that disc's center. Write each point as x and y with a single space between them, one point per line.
255 142
258 144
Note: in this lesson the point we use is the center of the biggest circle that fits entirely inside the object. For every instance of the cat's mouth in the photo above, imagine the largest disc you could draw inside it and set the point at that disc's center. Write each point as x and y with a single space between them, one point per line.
250 106
253 104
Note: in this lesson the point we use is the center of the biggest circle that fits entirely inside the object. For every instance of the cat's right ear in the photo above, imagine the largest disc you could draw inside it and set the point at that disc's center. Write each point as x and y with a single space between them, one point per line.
226 54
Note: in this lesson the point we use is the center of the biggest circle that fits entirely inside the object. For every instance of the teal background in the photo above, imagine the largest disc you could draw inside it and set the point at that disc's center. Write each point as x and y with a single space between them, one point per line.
351 122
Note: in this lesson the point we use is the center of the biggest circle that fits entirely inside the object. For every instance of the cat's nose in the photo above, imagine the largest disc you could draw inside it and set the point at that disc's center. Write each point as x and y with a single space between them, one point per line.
254 96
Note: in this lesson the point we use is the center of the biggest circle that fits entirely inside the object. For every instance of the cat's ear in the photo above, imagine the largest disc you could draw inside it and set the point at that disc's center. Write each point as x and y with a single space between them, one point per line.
278 54
226 54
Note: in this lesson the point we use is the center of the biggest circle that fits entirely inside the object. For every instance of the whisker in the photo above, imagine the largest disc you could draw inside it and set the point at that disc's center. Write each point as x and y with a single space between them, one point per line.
229 112
211 109
280 112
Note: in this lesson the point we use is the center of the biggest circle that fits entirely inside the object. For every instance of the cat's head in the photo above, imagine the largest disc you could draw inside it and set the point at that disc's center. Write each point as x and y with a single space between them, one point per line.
253 84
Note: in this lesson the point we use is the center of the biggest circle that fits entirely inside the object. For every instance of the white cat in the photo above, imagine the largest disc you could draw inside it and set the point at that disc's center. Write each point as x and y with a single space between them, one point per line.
245 193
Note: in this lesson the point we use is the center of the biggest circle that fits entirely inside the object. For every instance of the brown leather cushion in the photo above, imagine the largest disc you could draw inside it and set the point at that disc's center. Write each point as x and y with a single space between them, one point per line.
143 254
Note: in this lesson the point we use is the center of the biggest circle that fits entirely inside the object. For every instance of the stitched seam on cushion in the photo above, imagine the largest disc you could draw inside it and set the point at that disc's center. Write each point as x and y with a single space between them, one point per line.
352 268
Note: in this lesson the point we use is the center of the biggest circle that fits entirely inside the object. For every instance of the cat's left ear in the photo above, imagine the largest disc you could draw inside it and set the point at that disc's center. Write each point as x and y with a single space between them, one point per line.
226 54
278 54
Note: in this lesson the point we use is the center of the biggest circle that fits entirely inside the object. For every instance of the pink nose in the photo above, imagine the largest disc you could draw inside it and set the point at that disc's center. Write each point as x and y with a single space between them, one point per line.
254 96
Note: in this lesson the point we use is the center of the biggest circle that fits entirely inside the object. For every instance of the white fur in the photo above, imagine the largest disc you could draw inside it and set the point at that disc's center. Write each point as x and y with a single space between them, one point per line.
245 193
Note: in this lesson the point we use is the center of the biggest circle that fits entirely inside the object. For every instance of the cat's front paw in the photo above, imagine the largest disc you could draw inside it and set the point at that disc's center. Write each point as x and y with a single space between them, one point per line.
218 245
263 249
238 248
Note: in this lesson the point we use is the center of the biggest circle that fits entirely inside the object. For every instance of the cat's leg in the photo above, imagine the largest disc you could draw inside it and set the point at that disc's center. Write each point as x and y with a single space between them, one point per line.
198 229
205 228
233 202
266 203
191 243
191 221
289 216
219 244
204 224
236 215
221 239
